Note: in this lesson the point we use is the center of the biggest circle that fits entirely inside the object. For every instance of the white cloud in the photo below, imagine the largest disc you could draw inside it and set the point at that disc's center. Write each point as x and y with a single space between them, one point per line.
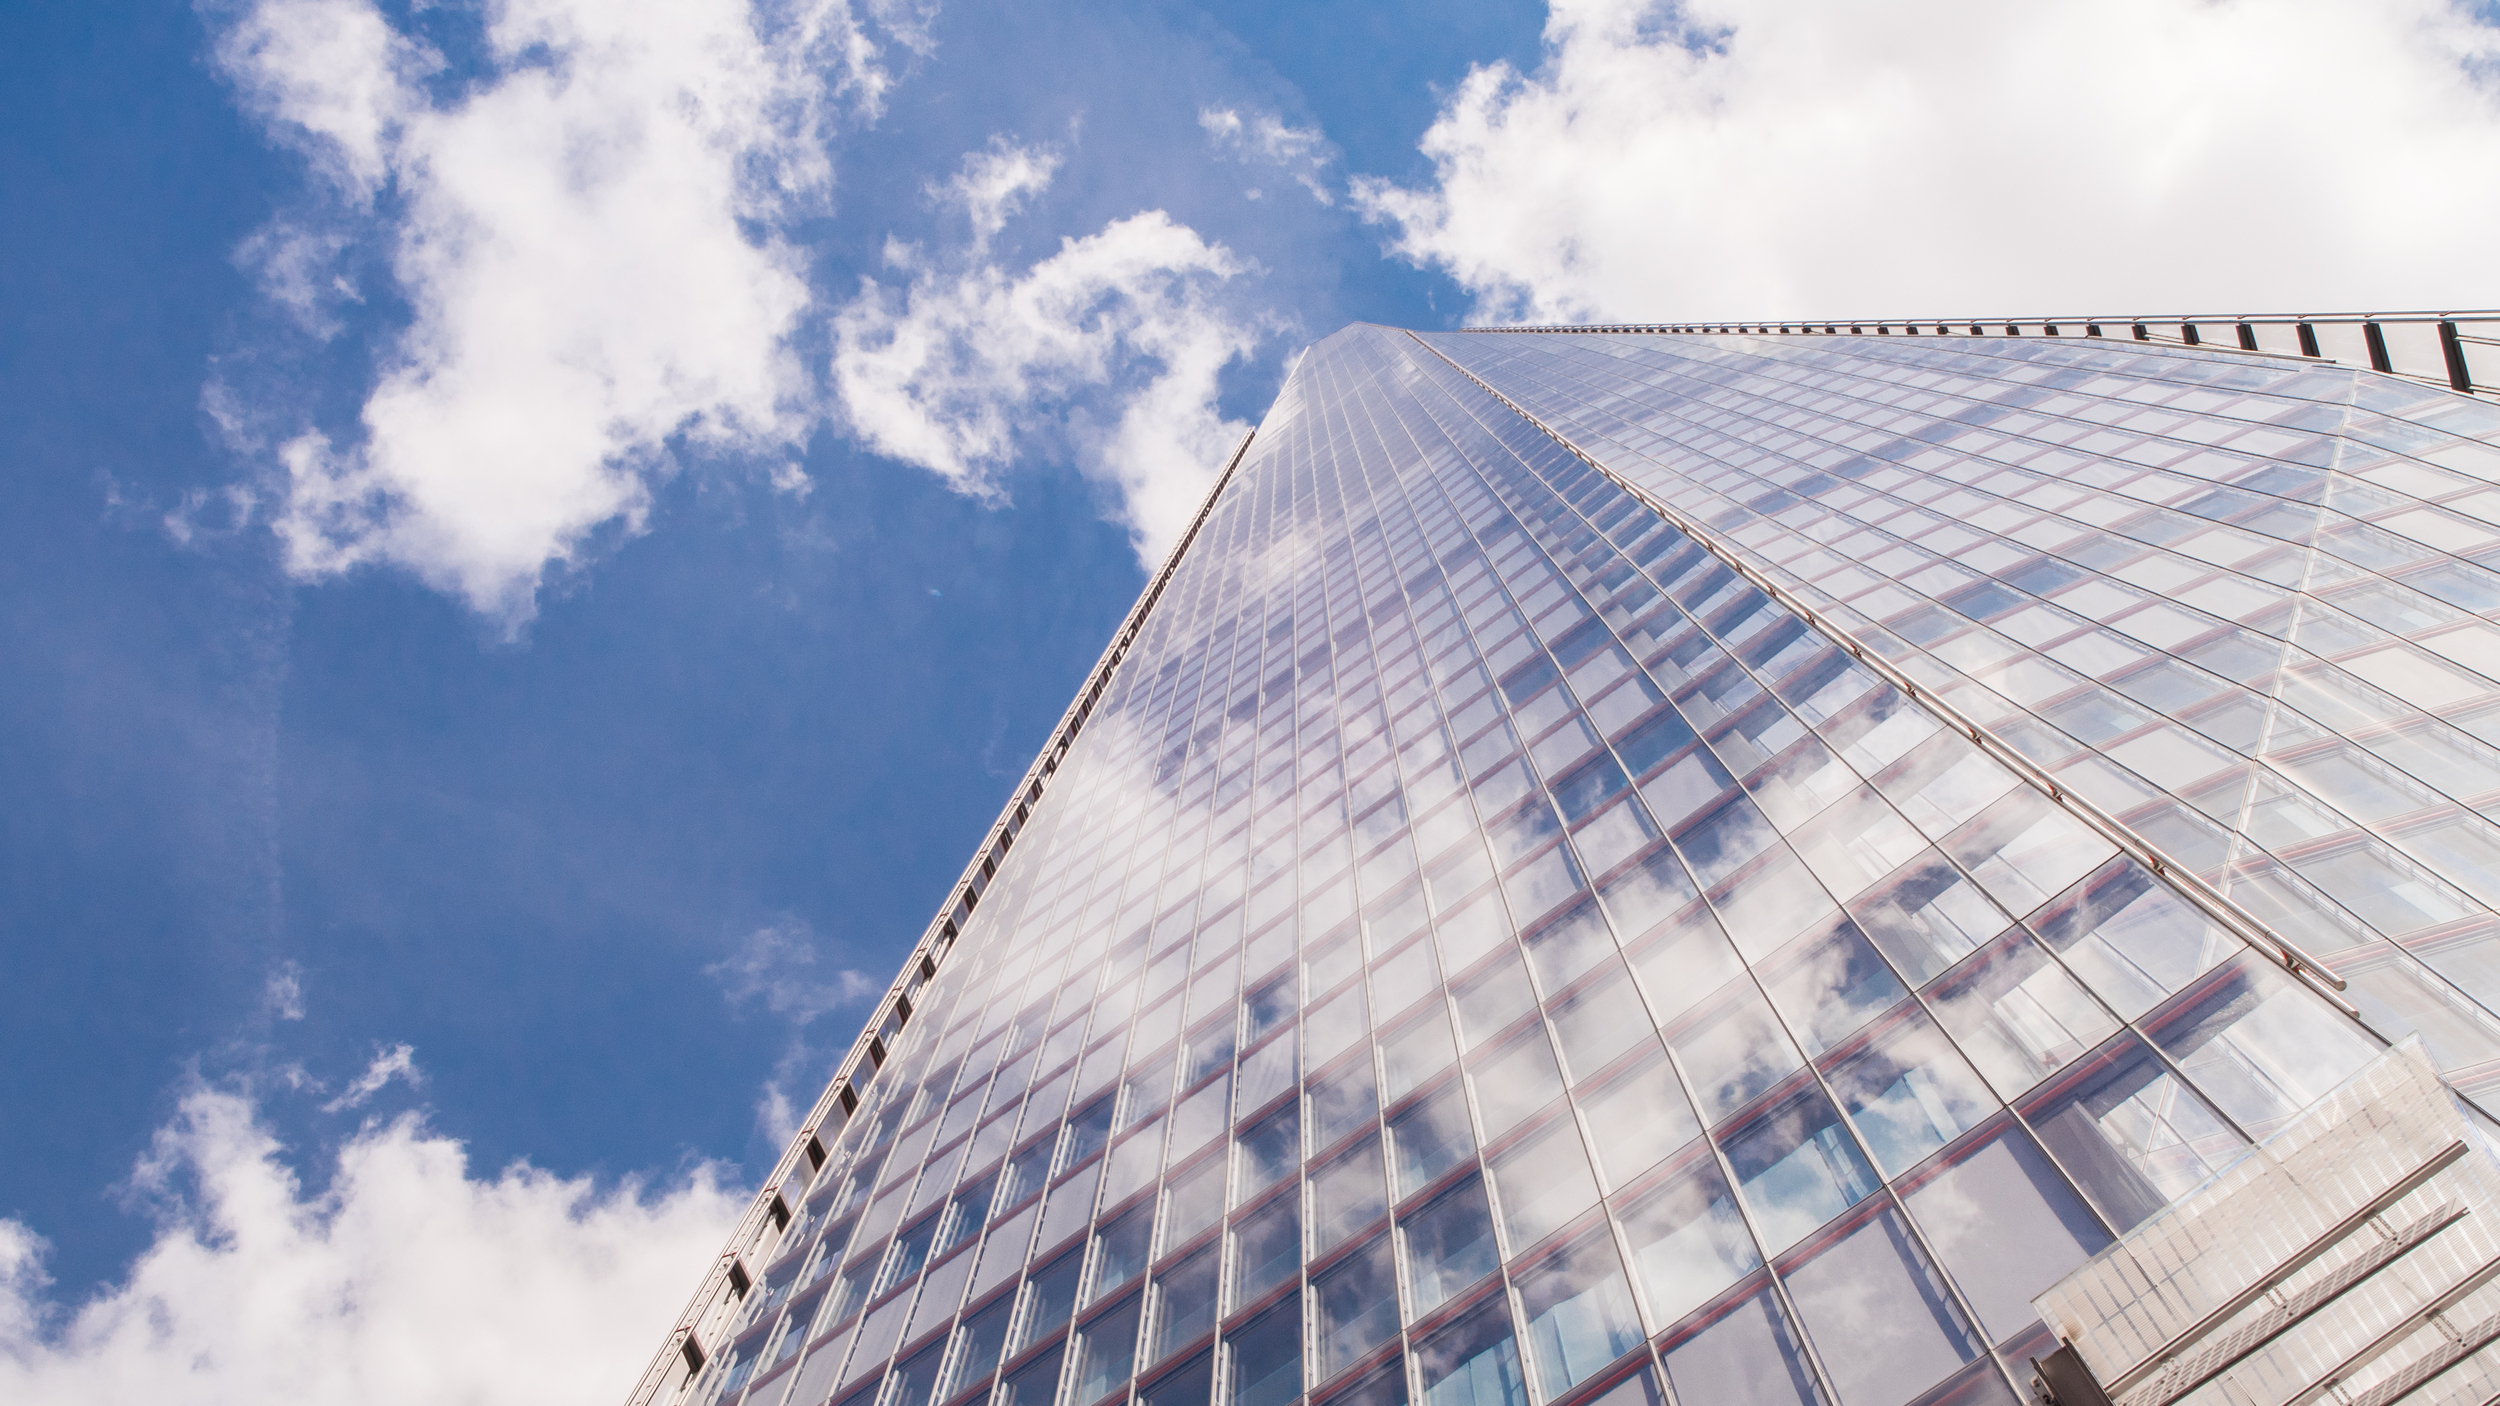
1115 342
1264 137
1783 158
993 184
778 966
584 241
407 1281
397 1062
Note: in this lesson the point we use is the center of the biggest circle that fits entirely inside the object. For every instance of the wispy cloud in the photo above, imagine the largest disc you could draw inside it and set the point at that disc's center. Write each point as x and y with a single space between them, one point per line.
778 968
1264 138
397 1062
1113 345
409 1280
586 239
1771 158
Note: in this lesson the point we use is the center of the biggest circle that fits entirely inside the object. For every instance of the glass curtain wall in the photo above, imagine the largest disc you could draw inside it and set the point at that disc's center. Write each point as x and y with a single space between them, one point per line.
1483 952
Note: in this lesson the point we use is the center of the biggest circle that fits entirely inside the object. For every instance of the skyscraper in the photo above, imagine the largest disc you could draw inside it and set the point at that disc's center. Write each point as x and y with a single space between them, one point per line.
1677 865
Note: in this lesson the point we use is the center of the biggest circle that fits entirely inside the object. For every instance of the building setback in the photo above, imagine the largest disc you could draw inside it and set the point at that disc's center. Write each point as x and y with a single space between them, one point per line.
1717 867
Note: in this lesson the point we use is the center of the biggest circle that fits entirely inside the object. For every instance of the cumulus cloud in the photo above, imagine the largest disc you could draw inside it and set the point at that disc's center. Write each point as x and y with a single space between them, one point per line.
1264 137
584 238
1786 158
409 1280
1115 343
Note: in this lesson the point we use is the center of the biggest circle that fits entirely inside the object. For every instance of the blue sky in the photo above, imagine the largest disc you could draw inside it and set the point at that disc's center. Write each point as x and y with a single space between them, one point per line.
537 535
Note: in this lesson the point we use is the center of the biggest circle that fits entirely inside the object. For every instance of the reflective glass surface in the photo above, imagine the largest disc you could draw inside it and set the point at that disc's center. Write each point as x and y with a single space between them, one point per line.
1481 949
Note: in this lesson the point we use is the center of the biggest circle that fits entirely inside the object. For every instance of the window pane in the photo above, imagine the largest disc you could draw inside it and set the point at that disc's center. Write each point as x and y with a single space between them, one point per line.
1266 1072
1385 1386
1686 960
1267 1358
1192 1384
1908 1091
1473 1362
1106 1351
1184 1304
1796 1166
1579 1312
1829 984
2025 848
1049 1297
1357 1304
1601 1022
1688 1239
1569 945
1346 1195
1493 1000
1642 1116
1927 917
1733 1050
1771 903
1192 1202
1879 1314
2129 1132
2017 1014
1268 1152
1515 1081
2130 938
1267 1248
2260 1046
1449 1245
1998 1192
1743 1355
915 1382
978 1344
1121 1250
1344 1103
1431 1138
1542 1183
1034 1384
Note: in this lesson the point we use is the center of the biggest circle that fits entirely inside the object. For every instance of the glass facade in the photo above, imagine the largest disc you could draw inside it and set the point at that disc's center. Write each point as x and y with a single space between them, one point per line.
1484 950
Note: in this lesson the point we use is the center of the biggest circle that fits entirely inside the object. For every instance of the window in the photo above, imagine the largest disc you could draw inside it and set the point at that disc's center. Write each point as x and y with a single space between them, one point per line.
1641 1115
1449 1245
1266 1358
1543 1182
1797 1166
1829 984
2132 1134
1689 1242
1268 1152
1430 1139
1267 1248
1184 1304
1356 1305
1743 1354
1106 1352
1995 1192
1886 1327
1473 1362
1346 1195
1733 1049
1579 1312
1908 1091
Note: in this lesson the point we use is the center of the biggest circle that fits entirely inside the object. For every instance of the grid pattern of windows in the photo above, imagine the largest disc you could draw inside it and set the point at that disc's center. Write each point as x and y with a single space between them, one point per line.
2242 604
1484 952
